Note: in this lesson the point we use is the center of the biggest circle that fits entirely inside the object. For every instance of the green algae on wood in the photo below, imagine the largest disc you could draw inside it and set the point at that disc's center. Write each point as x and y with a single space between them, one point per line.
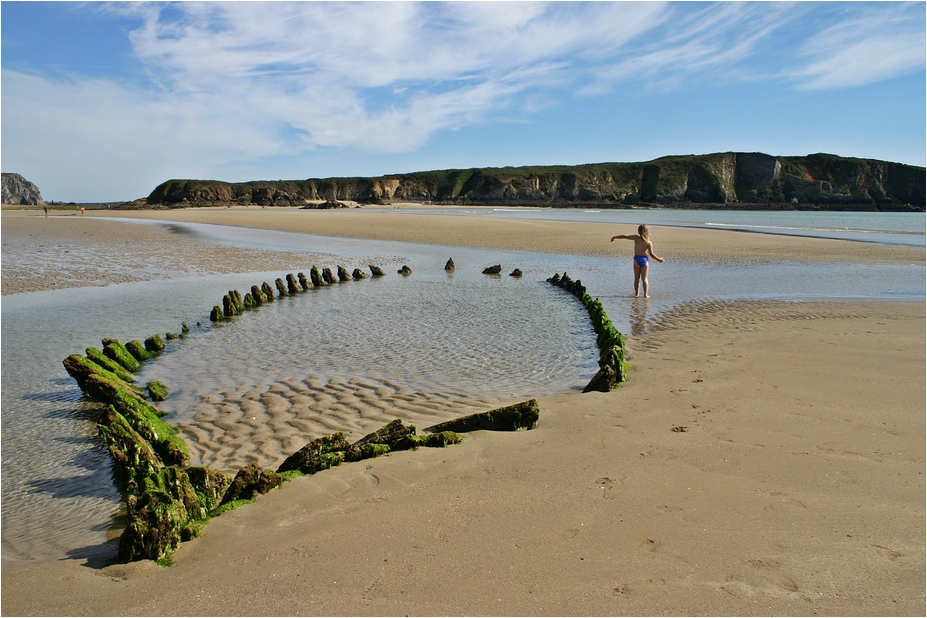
157 390
268 291
116 350
251 480
109 364
137 349
613 368
154 343
522 415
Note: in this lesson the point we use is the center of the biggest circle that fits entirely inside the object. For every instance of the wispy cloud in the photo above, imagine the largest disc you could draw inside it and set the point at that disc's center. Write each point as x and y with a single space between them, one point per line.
225 82
870 45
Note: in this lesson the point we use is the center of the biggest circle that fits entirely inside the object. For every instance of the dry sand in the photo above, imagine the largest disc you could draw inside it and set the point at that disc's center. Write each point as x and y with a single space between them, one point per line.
764 458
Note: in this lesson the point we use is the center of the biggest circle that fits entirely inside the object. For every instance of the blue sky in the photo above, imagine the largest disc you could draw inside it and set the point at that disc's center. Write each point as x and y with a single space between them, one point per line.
104 101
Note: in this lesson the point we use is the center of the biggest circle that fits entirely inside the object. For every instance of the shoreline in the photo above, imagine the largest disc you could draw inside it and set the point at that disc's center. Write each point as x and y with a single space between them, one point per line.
769 408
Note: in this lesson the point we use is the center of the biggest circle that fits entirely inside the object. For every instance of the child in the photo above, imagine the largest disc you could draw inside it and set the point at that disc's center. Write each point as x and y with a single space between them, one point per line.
642 247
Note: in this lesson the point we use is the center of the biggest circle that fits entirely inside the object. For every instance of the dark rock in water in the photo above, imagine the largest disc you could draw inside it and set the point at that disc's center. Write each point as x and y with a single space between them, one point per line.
216 315
343 274
555 280
316 276
317 455
109 364
604 380
291 284
450 264
358 274
405 271
516 273
257 295
375 271
249 301
184 328
116 351
510 418
170 336
281 287
328 276
154 343
268 291
137 349
493 270
157 391
307 285
250 480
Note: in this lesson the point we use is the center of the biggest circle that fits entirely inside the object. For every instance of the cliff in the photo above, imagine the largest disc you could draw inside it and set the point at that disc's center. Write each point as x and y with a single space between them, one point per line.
732 180
18 190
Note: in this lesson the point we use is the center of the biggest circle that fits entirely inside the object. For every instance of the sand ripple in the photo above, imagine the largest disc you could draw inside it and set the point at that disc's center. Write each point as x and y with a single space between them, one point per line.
266 423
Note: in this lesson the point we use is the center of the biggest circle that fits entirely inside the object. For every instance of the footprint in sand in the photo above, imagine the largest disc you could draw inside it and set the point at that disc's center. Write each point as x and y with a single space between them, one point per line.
606 486
889 554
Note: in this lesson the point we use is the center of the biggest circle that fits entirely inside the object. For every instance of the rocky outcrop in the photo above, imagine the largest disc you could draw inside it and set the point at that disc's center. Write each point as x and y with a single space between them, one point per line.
732 179
17 190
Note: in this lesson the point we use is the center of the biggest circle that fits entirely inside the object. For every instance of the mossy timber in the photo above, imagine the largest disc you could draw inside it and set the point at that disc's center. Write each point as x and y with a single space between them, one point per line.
613 368
167 501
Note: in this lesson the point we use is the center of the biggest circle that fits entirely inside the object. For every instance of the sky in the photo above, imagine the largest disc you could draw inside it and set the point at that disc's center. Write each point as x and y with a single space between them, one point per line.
104 101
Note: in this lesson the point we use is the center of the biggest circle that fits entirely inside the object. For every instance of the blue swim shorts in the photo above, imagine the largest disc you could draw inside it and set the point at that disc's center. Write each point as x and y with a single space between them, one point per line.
641 260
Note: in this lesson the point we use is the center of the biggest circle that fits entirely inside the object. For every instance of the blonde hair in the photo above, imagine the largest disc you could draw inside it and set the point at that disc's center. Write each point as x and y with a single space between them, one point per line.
644 231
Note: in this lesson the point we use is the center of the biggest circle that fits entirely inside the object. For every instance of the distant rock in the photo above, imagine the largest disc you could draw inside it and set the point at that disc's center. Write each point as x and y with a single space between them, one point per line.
18 190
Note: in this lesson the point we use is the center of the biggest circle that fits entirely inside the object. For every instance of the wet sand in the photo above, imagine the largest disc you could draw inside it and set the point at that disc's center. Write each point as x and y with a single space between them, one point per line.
765 458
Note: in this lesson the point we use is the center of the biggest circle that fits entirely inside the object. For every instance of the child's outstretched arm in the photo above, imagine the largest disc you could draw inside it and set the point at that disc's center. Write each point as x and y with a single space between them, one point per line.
621 237
652 254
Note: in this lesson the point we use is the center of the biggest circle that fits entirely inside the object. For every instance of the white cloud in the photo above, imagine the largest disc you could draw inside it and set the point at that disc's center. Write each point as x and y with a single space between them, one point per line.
239 81
871 46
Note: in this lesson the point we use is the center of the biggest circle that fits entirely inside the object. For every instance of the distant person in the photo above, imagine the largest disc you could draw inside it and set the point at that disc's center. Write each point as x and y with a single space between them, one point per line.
46 212
643 250
81 210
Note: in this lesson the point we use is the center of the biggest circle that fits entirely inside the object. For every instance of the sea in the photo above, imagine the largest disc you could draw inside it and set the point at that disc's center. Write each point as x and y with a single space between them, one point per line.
463 332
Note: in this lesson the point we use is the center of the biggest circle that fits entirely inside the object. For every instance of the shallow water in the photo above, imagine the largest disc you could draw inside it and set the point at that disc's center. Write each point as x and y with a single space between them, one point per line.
464 334
893 228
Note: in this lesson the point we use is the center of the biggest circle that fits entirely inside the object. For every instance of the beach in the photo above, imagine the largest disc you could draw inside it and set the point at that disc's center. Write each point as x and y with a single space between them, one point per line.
766 457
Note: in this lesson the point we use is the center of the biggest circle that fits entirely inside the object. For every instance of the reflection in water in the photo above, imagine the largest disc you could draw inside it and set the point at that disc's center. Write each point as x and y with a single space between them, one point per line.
638 317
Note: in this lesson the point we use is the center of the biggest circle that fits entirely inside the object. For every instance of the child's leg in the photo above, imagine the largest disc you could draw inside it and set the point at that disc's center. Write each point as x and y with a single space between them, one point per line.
645 279
637 279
